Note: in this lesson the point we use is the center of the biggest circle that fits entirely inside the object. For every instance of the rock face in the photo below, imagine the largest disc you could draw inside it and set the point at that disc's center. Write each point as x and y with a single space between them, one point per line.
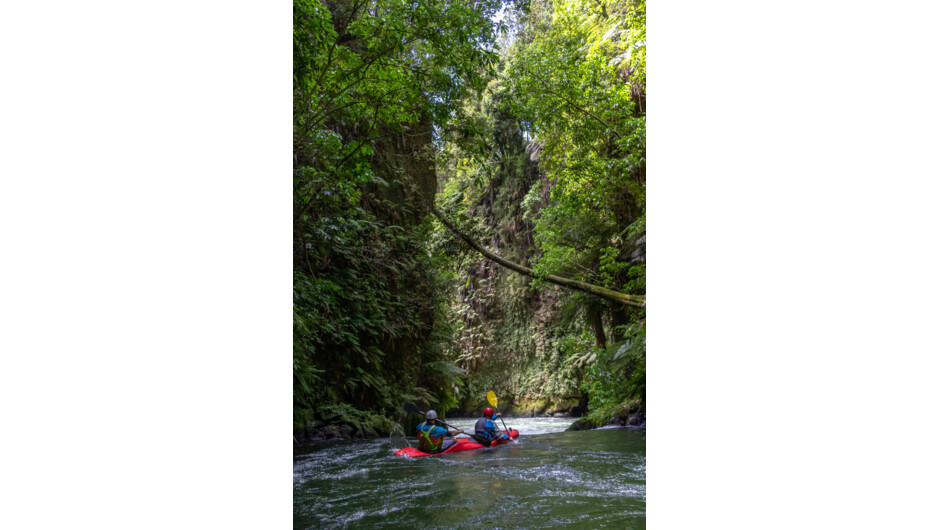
544 407
513 337
408 179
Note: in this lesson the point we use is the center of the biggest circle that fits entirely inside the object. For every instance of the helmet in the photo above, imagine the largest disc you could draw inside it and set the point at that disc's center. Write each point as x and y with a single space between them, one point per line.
488 412
431 415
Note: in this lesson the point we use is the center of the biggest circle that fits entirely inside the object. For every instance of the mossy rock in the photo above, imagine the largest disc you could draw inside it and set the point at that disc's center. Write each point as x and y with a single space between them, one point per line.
565 406
331 432
531 407
626 413
622 414
582 424
339 420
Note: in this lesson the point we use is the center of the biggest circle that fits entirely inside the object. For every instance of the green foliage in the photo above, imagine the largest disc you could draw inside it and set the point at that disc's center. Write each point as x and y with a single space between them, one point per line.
538 151
547 167
578 350
371 80
576 78
363 423
617 375
365 331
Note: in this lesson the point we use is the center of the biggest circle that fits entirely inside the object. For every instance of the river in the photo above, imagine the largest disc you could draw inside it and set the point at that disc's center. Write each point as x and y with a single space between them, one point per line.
549 478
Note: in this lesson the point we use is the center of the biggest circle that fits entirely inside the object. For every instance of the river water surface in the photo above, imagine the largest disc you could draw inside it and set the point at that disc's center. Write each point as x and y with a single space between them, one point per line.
549 478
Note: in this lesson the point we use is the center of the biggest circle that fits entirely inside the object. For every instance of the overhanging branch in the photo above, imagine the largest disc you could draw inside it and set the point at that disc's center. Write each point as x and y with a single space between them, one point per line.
607 294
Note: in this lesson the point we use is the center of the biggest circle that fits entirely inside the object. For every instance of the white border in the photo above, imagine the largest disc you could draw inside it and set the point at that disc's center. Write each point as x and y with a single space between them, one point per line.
145 294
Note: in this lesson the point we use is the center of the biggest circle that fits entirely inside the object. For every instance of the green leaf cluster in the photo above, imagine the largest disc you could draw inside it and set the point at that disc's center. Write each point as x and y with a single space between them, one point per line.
372 80
617 375
547 167
536 149
585 102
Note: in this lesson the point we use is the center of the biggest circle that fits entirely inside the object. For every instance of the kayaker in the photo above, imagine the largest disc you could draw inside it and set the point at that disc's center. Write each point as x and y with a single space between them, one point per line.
486 428
431 435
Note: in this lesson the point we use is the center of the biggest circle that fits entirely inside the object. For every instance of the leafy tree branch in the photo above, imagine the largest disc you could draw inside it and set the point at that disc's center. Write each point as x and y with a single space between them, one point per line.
613 296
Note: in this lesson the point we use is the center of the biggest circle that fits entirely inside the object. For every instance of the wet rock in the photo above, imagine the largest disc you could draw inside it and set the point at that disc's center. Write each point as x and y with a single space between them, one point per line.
637 420
581 424
330 433
617 420
624 418
346 430
333 425
316 434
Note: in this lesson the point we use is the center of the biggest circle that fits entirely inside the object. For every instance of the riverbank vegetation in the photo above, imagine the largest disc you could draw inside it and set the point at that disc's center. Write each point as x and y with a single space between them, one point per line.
420 126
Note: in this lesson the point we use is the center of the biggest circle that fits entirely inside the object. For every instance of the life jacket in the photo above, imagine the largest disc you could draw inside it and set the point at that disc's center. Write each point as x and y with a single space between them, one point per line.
481 429
428 442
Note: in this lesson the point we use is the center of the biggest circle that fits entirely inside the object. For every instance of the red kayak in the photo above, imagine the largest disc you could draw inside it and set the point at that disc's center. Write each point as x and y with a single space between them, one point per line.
462 444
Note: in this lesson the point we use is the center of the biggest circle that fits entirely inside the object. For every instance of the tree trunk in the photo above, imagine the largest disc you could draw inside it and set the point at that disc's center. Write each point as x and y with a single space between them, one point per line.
600 338
607 294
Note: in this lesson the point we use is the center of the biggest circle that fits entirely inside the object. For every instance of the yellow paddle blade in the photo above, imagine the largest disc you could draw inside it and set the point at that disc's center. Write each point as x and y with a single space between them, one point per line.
491 397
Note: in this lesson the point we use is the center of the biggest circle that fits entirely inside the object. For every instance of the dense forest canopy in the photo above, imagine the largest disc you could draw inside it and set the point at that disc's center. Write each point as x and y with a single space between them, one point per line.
522 124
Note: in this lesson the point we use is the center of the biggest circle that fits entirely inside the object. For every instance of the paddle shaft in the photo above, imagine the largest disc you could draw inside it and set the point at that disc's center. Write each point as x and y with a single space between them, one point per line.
502 420
476 438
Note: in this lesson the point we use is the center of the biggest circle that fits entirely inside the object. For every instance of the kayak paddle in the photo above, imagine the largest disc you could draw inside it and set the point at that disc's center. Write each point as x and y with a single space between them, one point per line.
491 397
411 408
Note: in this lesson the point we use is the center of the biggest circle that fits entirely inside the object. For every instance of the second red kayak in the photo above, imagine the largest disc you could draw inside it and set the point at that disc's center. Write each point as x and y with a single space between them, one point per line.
462 444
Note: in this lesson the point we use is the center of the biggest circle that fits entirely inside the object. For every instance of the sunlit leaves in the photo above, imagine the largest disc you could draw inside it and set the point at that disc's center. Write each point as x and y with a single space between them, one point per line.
568 83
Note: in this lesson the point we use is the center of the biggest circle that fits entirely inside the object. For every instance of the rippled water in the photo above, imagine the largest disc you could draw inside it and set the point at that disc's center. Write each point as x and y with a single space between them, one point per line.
547 479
